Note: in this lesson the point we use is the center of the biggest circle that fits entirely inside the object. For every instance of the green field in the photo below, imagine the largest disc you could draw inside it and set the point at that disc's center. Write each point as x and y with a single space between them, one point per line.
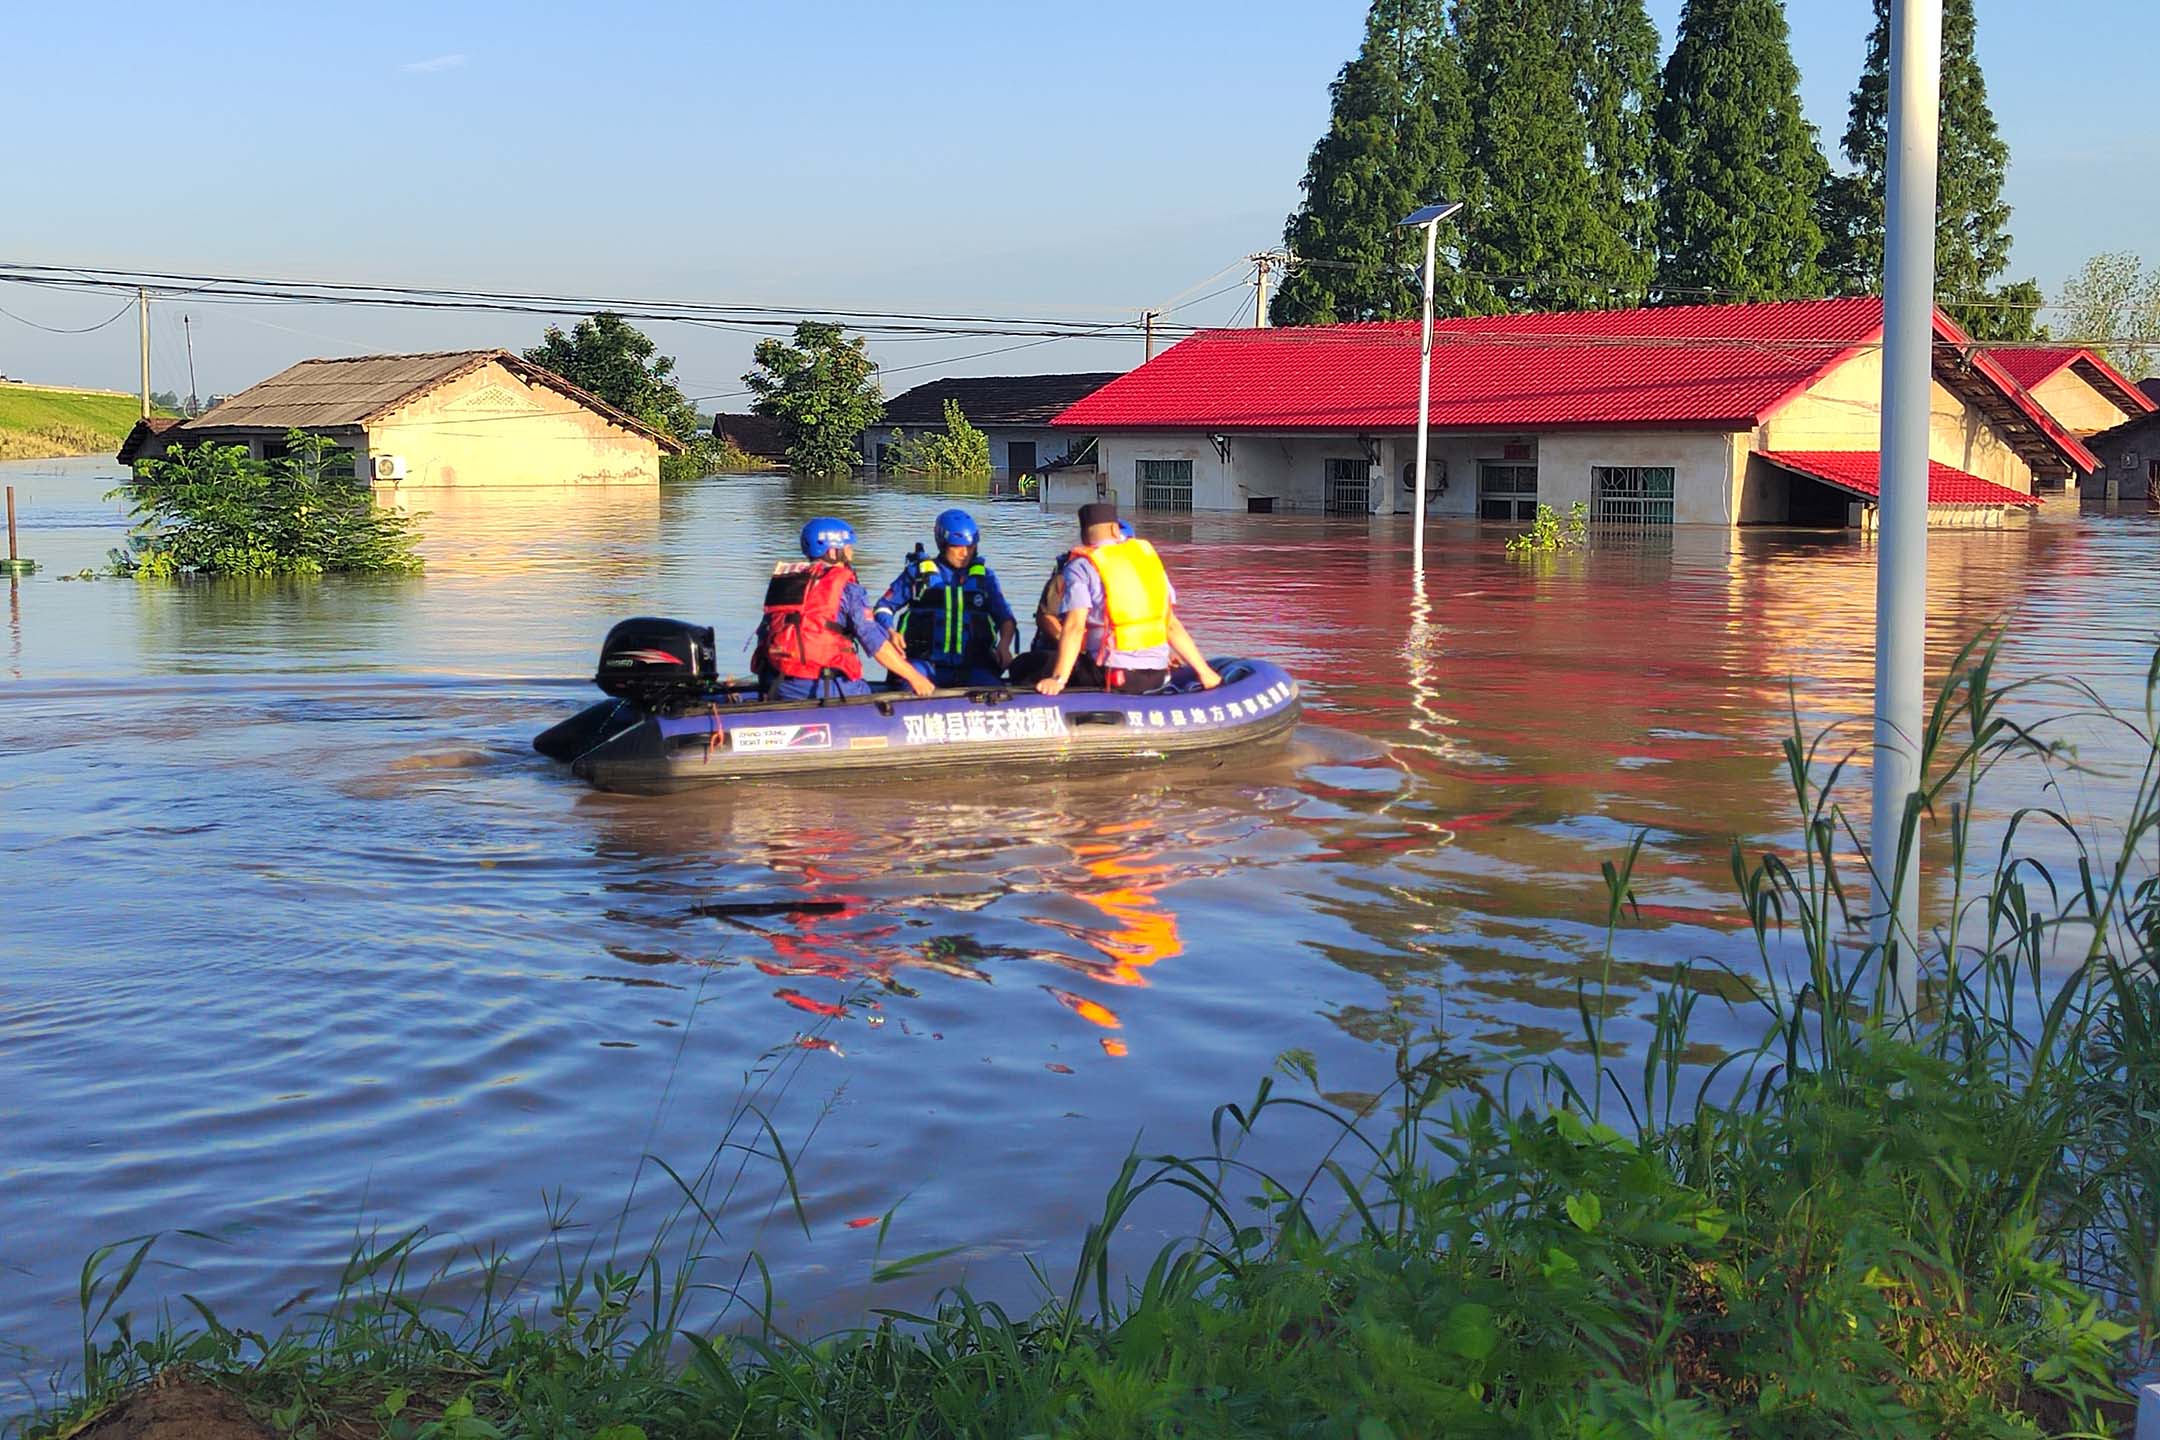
38 423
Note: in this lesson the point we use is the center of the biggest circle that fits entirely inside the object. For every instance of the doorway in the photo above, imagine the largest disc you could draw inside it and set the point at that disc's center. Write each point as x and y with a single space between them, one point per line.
1019 458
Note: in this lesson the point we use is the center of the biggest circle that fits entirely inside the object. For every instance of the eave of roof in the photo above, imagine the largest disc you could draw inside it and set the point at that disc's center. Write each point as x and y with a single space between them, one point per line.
1859 472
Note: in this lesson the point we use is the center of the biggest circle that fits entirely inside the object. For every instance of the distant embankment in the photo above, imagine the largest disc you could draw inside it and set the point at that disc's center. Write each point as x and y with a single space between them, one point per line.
35 422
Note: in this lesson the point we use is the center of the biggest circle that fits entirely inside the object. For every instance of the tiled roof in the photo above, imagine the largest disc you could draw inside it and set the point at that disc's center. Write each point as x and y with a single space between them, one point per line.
344 392
141 433
756 435
1859 472
2029 365
1725 366
995 399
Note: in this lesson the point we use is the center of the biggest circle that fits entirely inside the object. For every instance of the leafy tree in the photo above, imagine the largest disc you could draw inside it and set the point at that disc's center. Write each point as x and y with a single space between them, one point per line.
2114 299
822 393
1615 52
608 356
1387 150
1738 165
210 510
959 451
1537 235
1972 239
166 400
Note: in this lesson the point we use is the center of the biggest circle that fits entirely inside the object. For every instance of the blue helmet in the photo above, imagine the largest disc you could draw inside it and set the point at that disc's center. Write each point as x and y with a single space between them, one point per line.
957 527
825 534
1124 528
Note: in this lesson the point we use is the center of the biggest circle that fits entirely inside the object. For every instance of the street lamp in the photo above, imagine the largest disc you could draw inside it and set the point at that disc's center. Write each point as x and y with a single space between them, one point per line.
1430 217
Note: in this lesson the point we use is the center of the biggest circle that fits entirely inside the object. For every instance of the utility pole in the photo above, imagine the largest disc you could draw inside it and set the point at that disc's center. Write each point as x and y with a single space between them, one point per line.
187 329
1147 325
1901 525
142 315
1428 218
1262 264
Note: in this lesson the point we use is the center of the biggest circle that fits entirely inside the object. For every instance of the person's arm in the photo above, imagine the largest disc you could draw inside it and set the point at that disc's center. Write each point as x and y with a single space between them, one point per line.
1181 642
1008 638
1073 636
1008 632
888 609
895 660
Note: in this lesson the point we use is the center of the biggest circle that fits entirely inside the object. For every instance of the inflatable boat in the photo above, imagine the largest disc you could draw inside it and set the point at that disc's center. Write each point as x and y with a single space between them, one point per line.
670 724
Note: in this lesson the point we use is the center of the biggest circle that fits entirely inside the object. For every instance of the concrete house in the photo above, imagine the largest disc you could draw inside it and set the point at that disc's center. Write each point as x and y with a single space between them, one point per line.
1712 414
2091 398
1014 411
465 418
2130 456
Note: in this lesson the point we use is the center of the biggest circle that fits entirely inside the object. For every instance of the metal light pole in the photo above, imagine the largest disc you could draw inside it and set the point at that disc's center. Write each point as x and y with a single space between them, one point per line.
1901 525
1429 217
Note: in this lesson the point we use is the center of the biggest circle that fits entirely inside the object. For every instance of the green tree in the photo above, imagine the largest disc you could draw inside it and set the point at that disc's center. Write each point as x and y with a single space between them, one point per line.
959 451
613 359
1615 51
822 393
210 510
1972 238
1537 234
2113 304
1386 151
1738 165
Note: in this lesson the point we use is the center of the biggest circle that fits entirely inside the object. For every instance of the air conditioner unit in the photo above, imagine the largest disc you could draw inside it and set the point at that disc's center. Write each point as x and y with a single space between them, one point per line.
388 467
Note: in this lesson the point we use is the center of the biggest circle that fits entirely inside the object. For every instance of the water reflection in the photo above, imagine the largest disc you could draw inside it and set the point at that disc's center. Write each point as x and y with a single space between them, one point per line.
283 850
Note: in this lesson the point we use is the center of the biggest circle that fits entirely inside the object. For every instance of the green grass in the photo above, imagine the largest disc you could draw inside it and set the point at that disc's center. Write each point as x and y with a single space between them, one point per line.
38 423
1863 1224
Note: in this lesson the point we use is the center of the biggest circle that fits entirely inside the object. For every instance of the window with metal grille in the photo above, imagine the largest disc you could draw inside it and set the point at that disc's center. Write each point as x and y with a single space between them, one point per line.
1506 492
1632 494
1166 484
1349 487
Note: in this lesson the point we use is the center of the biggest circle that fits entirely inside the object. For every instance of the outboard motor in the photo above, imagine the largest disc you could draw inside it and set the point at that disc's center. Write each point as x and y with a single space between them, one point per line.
651 661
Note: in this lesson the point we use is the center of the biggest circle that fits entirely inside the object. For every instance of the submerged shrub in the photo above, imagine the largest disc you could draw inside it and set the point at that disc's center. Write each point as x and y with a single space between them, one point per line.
209 509
1548 533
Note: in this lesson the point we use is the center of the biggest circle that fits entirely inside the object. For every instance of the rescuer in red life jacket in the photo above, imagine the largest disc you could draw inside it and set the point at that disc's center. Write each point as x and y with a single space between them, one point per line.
1120 624
815 616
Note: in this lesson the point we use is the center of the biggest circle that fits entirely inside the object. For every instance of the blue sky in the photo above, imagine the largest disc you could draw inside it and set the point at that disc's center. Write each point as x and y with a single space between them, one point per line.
1081 161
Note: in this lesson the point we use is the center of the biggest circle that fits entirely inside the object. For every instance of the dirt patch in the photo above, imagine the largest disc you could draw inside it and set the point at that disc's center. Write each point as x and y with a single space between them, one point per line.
176 1410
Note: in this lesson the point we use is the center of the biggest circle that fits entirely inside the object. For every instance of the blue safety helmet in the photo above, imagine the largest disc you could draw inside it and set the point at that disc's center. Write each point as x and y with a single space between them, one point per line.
824 535
1124 528
957 527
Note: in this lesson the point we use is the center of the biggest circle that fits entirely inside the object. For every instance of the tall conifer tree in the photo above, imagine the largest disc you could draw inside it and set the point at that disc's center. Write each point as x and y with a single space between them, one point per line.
1377 162
1615 54
1738 164
1536 233
1972 238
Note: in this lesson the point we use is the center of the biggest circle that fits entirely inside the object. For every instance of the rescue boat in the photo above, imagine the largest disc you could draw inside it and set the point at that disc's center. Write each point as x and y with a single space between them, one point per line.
669 723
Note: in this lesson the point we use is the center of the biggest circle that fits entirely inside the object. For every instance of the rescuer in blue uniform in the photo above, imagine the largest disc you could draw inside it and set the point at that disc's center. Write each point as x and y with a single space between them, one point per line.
816 614
947 611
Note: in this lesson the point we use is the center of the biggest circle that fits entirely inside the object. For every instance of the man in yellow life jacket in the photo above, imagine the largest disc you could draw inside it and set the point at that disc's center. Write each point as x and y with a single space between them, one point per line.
1120 625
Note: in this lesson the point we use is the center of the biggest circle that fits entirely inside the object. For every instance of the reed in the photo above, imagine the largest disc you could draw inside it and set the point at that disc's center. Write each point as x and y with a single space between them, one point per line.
1864 1224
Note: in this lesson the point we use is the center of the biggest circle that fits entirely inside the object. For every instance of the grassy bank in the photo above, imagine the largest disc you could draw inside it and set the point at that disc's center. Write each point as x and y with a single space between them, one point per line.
35 424
1857 1226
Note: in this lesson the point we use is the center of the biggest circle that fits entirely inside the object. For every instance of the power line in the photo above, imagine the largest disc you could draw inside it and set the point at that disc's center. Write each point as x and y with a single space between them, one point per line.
66 329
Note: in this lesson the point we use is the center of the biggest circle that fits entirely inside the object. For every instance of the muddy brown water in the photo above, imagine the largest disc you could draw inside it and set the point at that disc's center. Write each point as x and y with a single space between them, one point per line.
299 941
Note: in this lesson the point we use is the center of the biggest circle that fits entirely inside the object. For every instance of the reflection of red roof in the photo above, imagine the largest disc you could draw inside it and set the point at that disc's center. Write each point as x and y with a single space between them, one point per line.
1709 366
2030 365
1859 471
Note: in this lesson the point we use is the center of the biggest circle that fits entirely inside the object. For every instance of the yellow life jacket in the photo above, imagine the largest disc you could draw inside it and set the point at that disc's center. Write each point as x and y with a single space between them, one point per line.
1136 594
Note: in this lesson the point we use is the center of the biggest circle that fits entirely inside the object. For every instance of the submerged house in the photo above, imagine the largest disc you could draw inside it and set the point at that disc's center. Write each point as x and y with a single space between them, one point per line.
467 418
757 436
1013 411
1713 414
2098 404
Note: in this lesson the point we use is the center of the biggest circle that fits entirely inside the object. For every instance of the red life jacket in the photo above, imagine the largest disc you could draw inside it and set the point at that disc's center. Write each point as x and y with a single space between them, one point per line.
803 639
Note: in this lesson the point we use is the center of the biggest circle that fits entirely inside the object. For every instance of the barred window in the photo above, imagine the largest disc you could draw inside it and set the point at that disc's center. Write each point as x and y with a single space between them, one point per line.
1506 492
1166 484
1349 487
1632 494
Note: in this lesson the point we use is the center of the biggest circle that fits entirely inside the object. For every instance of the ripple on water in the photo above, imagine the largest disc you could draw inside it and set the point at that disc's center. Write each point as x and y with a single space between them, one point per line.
302 939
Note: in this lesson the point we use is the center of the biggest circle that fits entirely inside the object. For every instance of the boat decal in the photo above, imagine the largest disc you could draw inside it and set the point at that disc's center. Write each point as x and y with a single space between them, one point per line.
1154 719
867 742
1177 719
782 737
1034 722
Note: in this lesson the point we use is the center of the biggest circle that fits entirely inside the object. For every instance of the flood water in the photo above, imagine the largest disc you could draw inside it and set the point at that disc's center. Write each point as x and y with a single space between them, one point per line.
299 939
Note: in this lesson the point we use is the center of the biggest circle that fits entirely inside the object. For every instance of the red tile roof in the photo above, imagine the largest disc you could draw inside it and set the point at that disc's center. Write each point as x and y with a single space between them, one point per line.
1859 471
1710 366
2029 365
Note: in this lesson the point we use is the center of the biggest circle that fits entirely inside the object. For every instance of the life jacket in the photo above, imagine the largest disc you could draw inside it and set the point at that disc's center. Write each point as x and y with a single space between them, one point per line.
947 617
1136 595
801 638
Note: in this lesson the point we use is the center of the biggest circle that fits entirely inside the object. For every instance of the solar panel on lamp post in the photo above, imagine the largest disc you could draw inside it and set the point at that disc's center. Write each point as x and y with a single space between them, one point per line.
1429 217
